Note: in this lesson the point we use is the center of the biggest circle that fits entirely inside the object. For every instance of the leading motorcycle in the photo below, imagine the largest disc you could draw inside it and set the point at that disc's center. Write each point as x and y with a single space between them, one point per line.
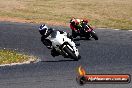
64 45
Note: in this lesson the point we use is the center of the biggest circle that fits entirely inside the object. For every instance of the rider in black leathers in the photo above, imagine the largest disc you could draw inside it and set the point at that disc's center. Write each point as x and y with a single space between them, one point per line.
45 32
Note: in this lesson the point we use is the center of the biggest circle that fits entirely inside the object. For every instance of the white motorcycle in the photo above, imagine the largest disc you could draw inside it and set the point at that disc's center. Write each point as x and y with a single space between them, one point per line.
64 45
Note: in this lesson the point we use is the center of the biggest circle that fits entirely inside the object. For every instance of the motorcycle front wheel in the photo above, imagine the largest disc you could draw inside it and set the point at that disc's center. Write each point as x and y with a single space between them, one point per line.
71 54
94 35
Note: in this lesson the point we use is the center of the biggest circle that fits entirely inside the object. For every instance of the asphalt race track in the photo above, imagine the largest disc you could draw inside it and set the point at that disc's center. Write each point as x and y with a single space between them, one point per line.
112 53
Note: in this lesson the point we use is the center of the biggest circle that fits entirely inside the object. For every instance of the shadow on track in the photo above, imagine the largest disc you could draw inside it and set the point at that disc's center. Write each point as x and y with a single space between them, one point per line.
59 61
77 39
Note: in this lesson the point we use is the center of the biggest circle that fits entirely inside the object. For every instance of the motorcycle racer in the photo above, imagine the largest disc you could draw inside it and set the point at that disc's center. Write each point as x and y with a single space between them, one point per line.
76 25
45 32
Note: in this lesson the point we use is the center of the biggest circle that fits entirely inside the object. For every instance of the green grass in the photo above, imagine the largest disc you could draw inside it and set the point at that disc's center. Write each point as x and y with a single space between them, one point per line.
104 13
9 56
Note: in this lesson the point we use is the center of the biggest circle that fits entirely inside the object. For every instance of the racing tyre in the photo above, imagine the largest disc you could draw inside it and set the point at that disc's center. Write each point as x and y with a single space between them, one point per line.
94 35
70 53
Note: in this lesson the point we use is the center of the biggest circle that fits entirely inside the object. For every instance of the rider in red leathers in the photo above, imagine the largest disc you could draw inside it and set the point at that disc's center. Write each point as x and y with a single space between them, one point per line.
76 25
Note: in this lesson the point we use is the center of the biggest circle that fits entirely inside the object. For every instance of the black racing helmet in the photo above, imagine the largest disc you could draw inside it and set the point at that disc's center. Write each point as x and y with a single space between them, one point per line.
43 29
